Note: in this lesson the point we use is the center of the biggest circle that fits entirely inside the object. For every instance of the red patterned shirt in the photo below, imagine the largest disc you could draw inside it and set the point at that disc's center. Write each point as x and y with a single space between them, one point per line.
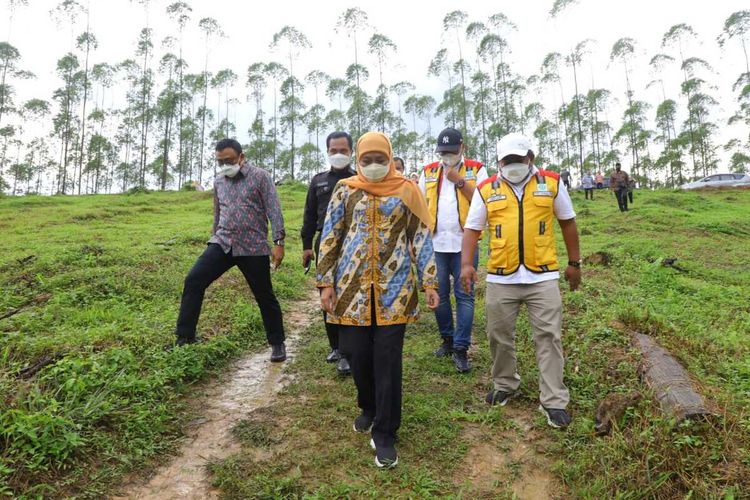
243 205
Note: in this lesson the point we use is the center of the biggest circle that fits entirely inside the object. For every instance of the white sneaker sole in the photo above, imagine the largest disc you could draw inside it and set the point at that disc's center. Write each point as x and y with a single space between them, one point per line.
354 426
377 462
549 420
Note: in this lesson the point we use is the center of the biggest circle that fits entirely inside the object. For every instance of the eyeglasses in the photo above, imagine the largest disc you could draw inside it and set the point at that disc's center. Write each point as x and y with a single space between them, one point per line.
226 162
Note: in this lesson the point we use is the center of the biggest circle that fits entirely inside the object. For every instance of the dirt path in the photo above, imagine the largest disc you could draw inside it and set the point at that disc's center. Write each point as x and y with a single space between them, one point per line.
252 383
513 461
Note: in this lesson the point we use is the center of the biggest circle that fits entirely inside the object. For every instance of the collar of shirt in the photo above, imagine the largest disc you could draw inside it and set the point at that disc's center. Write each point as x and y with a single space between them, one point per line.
245 168
342 173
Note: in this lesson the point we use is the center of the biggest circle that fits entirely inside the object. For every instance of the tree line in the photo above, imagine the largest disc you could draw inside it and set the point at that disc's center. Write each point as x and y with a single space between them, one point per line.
169 112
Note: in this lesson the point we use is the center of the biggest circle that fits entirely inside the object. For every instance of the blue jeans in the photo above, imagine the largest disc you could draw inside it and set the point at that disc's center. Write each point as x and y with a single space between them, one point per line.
449 264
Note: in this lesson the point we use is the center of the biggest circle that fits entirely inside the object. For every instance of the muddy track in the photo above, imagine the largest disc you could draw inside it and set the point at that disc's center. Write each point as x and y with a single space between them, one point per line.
251 383
514 461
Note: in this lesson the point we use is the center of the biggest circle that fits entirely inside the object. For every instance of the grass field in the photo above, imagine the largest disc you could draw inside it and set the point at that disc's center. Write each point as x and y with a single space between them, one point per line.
91 288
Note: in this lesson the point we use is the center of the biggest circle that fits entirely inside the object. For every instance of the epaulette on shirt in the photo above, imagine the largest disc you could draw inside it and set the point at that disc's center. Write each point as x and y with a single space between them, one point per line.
549 173
487 181
469 163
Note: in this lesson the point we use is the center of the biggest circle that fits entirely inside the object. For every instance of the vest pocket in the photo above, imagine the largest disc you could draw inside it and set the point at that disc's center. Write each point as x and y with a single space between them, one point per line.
543 201
497 205
545 252
498 254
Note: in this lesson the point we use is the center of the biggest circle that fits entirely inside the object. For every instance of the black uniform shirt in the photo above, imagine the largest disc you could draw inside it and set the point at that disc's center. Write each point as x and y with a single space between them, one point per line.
316 204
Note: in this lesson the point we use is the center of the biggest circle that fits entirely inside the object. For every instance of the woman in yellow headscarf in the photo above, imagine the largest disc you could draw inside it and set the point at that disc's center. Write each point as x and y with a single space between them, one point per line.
368 285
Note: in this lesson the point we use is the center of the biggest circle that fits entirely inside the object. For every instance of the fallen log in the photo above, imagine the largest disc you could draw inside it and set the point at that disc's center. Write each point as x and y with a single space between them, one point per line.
671 383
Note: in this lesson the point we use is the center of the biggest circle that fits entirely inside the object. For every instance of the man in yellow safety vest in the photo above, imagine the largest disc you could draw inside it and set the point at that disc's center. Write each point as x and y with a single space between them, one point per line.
519 206
448 186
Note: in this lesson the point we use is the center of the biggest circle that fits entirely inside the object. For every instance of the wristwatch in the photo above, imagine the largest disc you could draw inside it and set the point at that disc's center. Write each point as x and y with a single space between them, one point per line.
460 184
279 243
575 263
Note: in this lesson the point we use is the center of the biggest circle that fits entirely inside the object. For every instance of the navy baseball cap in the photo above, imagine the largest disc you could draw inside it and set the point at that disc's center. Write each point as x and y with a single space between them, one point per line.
449 140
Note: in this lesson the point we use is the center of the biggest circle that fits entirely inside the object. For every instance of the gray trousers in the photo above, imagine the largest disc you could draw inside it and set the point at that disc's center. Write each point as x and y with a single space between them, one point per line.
544 304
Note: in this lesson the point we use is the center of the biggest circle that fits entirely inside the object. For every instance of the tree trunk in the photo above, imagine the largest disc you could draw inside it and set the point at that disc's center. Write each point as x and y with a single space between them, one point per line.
670 382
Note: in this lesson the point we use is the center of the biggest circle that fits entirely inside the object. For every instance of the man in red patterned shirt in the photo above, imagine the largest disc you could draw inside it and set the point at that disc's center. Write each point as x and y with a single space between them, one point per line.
245 199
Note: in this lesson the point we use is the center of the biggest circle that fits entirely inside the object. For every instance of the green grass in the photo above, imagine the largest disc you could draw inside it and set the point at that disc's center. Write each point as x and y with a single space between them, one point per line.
98 281
701 314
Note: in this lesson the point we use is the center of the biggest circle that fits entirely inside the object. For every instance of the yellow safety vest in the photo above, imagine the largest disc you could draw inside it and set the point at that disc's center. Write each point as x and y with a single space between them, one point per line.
521 232
433 177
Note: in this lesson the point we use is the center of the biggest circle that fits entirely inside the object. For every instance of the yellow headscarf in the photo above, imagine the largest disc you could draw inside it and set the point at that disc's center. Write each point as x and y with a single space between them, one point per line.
393 184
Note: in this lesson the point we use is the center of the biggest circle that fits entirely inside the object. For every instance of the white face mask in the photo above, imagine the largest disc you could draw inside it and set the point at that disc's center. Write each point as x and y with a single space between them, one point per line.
339 161
375 172
450 159
515 173
229 170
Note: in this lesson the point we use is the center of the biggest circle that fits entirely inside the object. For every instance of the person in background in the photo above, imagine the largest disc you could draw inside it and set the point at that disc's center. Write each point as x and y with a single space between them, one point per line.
565 176
414 178
245 199
599 180
339 147
631 188
448 186
368 284
400 168
618 184
587 183
519 206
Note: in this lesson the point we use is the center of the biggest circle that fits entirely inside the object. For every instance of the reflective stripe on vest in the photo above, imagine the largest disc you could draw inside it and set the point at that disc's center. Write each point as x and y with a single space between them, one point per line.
433 176
521 233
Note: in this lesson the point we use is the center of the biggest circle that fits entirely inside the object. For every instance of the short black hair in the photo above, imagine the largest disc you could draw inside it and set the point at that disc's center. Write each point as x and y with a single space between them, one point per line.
618 164
229 143
338 135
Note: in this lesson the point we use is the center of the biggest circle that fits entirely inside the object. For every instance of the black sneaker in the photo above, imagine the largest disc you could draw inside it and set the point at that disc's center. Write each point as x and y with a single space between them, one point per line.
278 353
497 397
363 423
385 456
183 341
461 360
446 348
559 419
343 368
333 356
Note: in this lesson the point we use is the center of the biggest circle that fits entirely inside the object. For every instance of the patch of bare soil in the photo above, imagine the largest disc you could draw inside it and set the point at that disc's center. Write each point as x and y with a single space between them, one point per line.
252 383
511 463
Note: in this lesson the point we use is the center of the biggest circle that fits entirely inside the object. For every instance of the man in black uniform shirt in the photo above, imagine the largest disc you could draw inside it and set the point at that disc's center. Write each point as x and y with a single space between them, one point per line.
339 146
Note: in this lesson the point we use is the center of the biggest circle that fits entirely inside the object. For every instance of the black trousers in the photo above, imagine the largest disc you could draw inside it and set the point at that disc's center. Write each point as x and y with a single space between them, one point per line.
208 268
622 198
630 196
375 354
331 330
588 193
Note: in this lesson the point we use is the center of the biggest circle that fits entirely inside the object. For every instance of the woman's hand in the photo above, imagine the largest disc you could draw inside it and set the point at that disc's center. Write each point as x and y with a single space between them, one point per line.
328 299
432 298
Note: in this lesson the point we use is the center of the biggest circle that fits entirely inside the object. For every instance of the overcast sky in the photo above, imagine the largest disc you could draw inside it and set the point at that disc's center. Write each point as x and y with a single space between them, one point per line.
416 27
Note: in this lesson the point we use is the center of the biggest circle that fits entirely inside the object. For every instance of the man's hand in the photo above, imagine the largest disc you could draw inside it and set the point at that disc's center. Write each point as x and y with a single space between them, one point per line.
453 175
468 277
328 299
432 298
306 257
573 275
277 255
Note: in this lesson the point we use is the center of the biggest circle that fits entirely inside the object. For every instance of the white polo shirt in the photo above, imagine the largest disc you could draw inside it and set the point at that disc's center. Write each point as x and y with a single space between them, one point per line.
448 232
477 220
